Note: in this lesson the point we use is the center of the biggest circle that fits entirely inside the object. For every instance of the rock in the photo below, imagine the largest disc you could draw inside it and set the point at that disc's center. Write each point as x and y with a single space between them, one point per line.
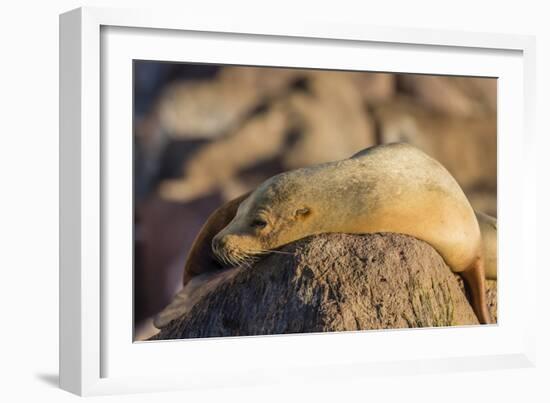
453 96
211 108
330 118
217 164
332 282
375 87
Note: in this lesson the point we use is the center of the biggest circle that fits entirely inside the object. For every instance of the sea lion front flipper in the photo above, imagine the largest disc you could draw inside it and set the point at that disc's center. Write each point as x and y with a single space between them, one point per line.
200 259
200 266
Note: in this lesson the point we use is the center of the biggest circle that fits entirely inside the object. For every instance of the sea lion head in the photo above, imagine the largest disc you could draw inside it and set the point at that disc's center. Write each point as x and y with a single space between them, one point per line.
276 213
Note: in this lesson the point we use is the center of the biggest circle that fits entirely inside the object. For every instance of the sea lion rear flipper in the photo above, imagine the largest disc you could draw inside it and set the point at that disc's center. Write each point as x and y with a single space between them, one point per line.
474 279
488 229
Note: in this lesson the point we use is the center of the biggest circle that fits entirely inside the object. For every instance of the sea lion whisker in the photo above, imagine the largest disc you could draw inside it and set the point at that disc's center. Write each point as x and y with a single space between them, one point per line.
239 257
226 258
250 261
233 260
268 251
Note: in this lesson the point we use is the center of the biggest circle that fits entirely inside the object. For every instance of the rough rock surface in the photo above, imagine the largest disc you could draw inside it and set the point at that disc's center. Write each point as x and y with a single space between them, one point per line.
333 282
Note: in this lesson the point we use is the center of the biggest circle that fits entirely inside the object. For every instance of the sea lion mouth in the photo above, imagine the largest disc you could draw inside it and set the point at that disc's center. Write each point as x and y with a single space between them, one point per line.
231 256
239 257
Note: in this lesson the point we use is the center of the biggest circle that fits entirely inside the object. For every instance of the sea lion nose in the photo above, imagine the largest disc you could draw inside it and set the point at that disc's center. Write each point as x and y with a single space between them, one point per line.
218 242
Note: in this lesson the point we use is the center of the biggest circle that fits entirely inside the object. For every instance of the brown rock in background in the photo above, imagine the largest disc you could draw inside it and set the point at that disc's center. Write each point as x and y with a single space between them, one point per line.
374 87
211 108
326 119
330 118
217 164
307 117
332 282
164 233
452 96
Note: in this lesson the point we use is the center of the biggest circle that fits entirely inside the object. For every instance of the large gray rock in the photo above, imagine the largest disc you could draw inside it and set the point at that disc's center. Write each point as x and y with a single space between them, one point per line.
332 282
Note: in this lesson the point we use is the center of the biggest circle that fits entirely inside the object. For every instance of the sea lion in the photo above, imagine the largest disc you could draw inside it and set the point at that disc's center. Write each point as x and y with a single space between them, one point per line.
388 188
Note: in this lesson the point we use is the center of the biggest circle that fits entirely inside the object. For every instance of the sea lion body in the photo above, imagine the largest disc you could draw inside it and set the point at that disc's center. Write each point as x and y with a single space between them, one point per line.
388 188
391 188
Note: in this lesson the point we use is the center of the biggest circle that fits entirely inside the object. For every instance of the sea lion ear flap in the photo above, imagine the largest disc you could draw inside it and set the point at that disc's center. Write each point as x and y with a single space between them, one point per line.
302 213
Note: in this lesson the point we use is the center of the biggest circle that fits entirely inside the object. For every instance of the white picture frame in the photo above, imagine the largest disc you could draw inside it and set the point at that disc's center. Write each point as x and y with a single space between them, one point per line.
96 354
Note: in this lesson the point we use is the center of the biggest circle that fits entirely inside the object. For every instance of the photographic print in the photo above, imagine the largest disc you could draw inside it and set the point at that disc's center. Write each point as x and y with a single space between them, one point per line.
273 200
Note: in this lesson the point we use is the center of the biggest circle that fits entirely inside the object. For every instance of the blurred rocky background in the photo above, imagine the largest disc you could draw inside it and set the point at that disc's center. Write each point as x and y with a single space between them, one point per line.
204 134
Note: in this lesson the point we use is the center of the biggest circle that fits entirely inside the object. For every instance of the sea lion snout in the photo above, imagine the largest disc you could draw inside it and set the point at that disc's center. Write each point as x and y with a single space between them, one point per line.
220 247
233 249
223 242
219 242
